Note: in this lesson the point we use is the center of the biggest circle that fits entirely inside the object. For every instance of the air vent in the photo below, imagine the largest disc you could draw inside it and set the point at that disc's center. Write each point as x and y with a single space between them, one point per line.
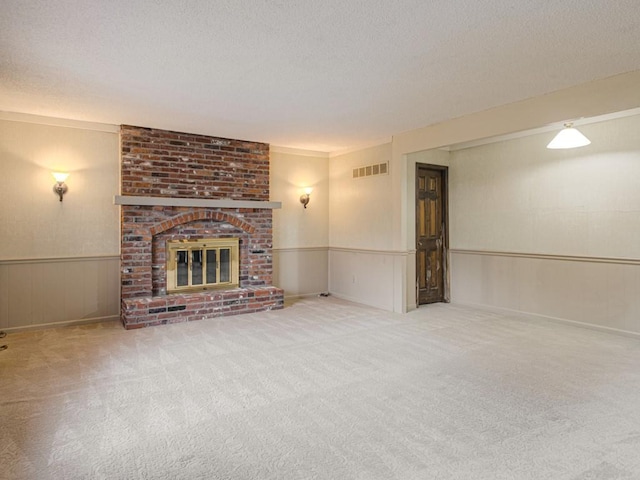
370 170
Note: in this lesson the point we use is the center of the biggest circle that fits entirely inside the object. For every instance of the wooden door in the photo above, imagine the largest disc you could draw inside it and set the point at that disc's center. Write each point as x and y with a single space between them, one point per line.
430 232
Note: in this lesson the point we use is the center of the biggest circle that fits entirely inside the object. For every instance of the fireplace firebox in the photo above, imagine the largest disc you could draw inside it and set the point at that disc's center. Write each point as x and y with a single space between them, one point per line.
206 264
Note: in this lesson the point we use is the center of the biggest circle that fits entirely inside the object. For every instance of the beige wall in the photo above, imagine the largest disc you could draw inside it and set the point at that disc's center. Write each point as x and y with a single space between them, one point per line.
300 236
290 172
360 208
370 277
301 271
34 223
518 196
363 266
58 260
555 233
597 293
58 291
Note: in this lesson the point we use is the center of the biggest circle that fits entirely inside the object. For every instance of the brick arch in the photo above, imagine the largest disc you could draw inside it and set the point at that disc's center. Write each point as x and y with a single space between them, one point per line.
189 217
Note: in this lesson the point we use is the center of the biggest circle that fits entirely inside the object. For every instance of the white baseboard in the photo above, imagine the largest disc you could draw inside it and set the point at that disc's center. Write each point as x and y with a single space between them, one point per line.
356 300
546 318
67 323
301 295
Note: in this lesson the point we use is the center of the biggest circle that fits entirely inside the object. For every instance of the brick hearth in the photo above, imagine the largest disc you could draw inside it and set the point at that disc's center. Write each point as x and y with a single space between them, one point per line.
163 164
149 311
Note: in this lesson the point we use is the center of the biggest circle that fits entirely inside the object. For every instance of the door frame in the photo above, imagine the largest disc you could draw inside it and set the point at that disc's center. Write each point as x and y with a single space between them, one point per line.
444 170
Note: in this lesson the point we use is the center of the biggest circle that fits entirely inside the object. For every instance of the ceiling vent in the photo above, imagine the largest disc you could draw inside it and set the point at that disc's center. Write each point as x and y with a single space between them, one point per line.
370 170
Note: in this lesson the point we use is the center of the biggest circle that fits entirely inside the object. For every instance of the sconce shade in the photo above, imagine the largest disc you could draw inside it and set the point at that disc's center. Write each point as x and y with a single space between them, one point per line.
60 176
568 137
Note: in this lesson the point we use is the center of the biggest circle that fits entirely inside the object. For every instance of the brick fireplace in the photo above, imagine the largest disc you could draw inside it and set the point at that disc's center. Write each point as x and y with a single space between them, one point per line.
178 186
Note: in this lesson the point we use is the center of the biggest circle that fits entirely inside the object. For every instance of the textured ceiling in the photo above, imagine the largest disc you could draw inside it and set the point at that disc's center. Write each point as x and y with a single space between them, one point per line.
323 75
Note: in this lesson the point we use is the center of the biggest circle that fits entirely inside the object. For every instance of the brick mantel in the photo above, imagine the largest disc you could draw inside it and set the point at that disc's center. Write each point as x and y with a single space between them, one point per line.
192 202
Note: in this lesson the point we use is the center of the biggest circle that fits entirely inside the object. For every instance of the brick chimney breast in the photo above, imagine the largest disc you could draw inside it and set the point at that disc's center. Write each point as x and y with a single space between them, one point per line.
165 164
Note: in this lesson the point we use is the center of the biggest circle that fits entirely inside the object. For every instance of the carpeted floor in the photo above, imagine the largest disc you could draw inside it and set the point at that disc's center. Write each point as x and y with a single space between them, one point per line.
323 389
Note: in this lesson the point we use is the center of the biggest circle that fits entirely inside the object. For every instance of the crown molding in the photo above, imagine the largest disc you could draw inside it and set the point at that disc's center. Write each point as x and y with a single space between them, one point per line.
58 122
297 151
553 127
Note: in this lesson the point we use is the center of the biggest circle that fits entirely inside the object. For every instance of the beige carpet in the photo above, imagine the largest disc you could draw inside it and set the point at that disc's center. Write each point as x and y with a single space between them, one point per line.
323 389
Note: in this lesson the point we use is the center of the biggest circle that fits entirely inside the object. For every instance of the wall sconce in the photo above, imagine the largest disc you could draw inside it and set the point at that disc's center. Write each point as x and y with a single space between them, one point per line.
569 137
305 197
60 187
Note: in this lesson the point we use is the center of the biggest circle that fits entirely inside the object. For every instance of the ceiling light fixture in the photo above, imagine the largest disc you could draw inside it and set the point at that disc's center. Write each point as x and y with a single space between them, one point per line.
568 137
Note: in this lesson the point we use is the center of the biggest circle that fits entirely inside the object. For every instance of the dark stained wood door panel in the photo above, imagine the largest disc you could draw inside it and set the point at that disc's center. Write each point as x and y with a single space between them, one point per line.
430 233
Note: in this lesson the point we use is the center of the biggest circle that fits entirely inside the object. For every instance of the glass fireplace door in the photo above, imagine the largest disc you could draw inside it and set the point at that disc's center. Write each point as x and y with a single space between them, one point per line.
202 264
